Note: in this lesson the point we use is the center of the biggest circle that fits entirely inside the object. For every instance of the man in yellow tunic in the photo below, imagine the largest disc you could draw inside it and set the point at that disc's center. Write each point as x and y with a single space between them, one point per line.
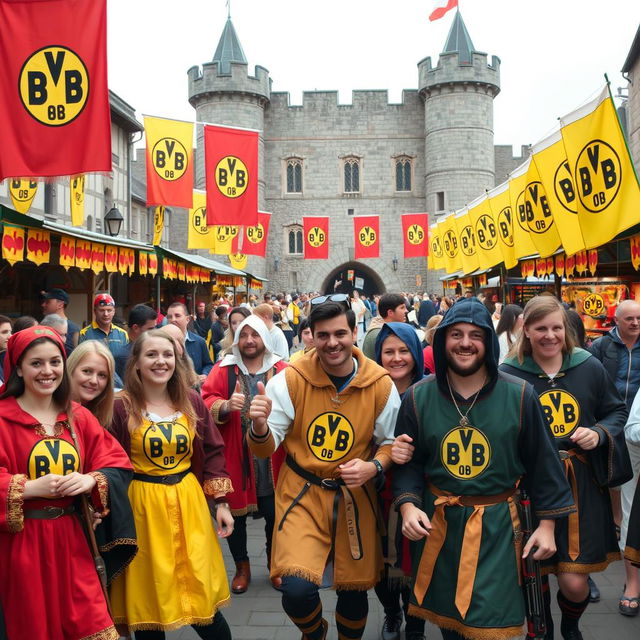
329 410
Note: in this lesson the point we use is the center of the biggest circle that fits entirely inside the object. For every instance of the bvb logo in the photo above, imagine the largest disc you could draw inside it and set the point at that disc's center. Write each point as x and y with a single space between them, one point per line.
450 243
505 226
330 436
52 455
598 176
77 188
226 232
593 305
199 221
468 241
23 190
564 188
169 158
231 176
415 234
255 234
562 412
465 452
536 212
54 85
158 221
486 232
166 444
367 236
316 237
436 247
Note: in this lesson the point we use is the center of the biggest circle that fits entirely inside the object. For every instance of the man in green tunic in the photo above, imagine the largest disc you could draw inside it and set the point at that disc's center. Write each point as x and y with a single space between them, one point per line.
475 434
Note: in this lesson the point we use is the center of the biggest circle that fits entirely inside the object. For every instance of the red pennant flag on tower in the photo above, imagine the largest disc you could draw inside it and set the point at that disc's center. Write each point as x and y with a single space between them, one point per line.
366 232
415 235
440 7
231 169
316 238
54 101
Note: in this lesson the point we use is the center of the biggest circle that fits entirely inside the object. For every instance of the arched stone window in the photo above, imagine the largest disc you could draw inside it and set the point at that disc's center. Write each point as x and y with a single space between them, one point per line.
293 240
294 175
351 175
403 173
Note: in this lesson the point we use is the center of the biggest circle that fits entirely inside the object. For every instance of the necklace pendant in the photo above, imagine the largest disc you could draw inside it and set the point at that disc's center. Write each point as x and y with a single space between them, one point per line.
464 422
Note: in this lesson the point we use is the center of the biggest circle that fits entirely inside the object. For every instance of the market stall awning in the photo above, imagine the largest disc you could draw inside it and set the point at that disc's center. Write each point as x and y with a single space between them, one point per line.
205 263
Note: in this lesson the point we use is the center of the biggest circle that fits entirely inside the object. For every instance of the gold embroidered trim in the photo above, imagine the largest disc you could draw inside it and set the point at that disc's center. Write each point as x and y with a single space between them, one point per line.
102 485
214 486
473 633
576 567
15 500
552 512
415 500
115 543
250 508
298 572
215 412
109 633
58 428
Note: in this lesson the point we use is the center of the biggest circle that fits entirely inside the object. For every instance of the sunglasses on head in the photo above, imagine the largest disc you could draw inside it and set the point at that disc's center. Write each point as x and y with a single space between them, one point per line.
340 298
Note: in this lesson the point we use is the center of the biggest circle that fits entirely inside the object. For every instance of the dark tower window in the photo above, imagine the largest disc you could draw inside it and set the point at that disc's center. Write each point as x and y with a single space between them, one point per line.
403 174
352 175
294 176
294 240
439 200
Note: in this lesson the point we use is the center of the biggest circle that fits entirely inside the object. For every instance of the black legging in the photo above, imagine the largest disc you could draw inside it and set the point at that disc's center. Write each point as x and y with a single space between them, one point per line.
447 634
238 539
218 629
390 599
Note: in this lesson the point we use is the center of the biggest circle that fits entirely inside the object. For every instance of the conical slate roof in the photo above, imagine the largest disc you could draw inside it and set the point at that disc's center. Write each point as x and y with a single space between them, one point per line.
229 49
459 41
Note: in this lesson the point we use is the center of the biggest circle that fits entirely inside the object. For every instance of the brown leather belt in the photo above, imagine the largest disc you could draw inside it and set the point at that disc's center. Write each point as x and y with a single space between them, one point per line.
172 478
49 513
574 518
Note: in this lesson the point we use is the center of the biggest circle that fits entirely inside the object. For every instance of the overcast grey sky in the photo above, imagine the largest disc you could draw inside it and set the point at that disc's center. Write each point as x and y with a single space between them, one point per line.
554 53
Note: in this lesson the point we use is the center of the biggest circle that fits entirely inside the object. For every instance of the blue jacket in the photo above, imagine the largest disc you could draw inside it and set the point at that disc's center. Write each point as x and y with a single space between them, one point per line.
622 364
199 353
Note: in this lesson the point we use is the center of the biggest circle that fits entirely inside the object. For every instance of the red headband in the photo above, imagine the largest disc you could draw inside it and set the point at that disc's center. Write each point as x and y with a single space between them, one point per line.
19 342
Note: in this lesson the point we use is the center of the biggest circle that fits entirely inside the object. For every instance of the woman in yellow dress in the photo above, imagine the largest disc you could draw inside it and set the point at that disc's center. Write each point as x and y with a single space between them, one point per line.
178 577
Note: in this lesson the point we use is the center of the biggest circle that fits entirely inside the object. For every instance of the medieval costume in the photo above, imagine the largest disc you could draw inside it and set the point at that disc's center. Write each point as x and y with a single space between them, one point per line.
178 577
474 453
49 588
581 394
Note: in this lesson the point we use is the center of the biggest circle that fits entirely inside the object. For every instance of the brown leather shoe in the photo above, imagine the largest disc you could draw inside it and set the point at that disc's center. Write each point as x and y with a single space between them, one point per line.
241 580
325 628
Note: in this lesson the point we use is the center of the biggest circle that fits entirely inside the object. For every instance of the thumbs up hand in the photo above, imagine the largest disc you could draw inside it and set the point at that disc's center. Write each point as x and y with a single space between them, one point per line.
259 410
236 401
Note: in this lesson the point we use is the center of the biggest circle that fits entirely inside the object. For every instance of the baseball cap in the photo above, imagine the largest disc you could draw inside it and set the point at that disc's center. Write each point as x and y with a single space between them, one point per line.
103 300
56 294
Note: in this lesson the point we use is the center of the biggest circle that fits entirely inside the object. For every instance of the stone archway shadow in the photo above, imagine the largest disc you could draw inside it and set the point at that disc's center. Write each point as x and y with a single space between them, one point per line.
373 283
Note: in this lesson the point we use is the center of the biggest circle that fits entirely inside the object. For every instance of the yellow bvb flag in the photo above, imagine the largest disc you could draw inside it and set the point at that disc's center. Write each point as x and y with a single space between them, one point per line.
435 260
500 204
467 241
608 195
450 245
486 230
522 244
76 186
158 225
224 236
200 236
550 160
22 192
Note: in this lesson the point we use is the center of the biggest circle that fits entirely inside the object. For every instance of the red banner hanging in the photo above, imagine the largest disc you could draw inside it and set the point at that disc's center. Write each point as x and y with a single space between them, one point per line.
254 238
366 232
415 235
54 101
316 238
231 169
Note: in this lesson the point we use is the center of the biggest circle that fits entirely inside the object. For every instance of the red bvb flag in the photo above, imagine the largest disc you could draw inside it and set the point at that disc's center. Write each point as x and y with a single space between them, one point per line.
415 235
54 101
231 169
255 237
316 237
366 232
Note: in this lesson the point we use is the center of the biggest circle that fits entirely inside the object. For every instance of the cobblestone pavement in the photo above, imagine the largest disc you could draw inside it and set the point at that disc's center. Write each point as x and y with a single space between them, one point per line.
258 614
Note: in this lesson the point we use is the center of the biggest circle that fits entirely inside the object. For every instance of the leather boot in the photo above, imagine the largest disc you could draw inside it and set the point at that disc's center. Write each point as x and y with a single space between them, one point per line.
241 580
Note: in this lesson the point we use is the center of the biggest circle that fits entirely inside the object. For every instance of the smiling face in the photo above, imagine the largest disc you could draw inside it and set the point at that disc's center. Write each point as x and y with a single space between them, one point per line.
547 336
90 378
396 358
157 361
250 344
333 340
465 348
41 369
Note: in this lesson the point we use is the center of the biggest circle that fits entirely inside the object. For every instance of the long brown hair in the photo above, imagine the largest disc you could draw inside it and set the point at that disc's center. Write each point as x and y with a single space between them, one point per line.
537 308
102 405
178 387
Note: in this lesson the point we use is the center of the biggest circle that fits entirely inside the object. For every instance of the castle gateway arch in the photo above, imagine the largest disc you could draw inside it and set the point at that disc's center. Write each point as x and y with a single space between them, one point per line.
347 276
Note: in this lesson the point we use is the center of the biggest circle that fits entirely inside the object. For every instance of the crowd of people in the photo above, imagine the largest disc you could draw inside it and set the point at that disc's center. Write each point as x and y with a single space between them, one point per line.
385 441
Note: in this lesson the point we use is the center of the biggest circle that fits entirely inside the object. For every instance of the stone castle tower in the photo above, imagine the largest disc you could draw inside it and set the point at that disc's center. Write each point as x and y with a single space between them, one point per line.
433 153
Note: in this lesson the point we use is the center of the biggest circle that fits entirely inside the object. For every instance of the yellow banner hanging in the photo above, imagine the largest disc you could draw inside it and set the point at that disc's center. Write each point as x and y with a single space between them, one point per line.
22 193
77 200
152 262
143 263
158 226
67 252
38 246
522 244
467 242
608 194
224 236
200 236
435 259
13 244
238 260
450 245
489 253
550 161
97 258
500 205
111 258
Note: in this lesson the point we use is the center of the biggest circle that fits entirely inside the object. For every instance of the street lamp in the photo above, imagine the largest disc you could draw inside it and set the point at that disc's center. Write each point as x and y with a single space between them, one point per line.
113 221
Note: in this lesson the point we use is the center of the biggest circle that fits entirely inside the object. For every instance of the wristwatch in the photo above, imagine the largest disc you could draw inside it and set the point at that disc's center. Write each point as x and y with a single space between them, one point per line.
379 469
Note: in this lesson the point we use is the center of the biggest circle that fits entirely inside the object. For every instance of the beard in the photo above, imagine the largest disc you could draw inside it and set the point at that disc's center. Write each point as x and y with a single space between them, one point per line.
466 371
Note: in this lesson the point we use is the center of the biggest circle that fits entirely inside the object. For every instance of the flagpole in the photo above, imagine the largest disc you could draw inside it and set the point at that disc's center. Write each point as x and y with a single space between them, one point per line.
211 124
